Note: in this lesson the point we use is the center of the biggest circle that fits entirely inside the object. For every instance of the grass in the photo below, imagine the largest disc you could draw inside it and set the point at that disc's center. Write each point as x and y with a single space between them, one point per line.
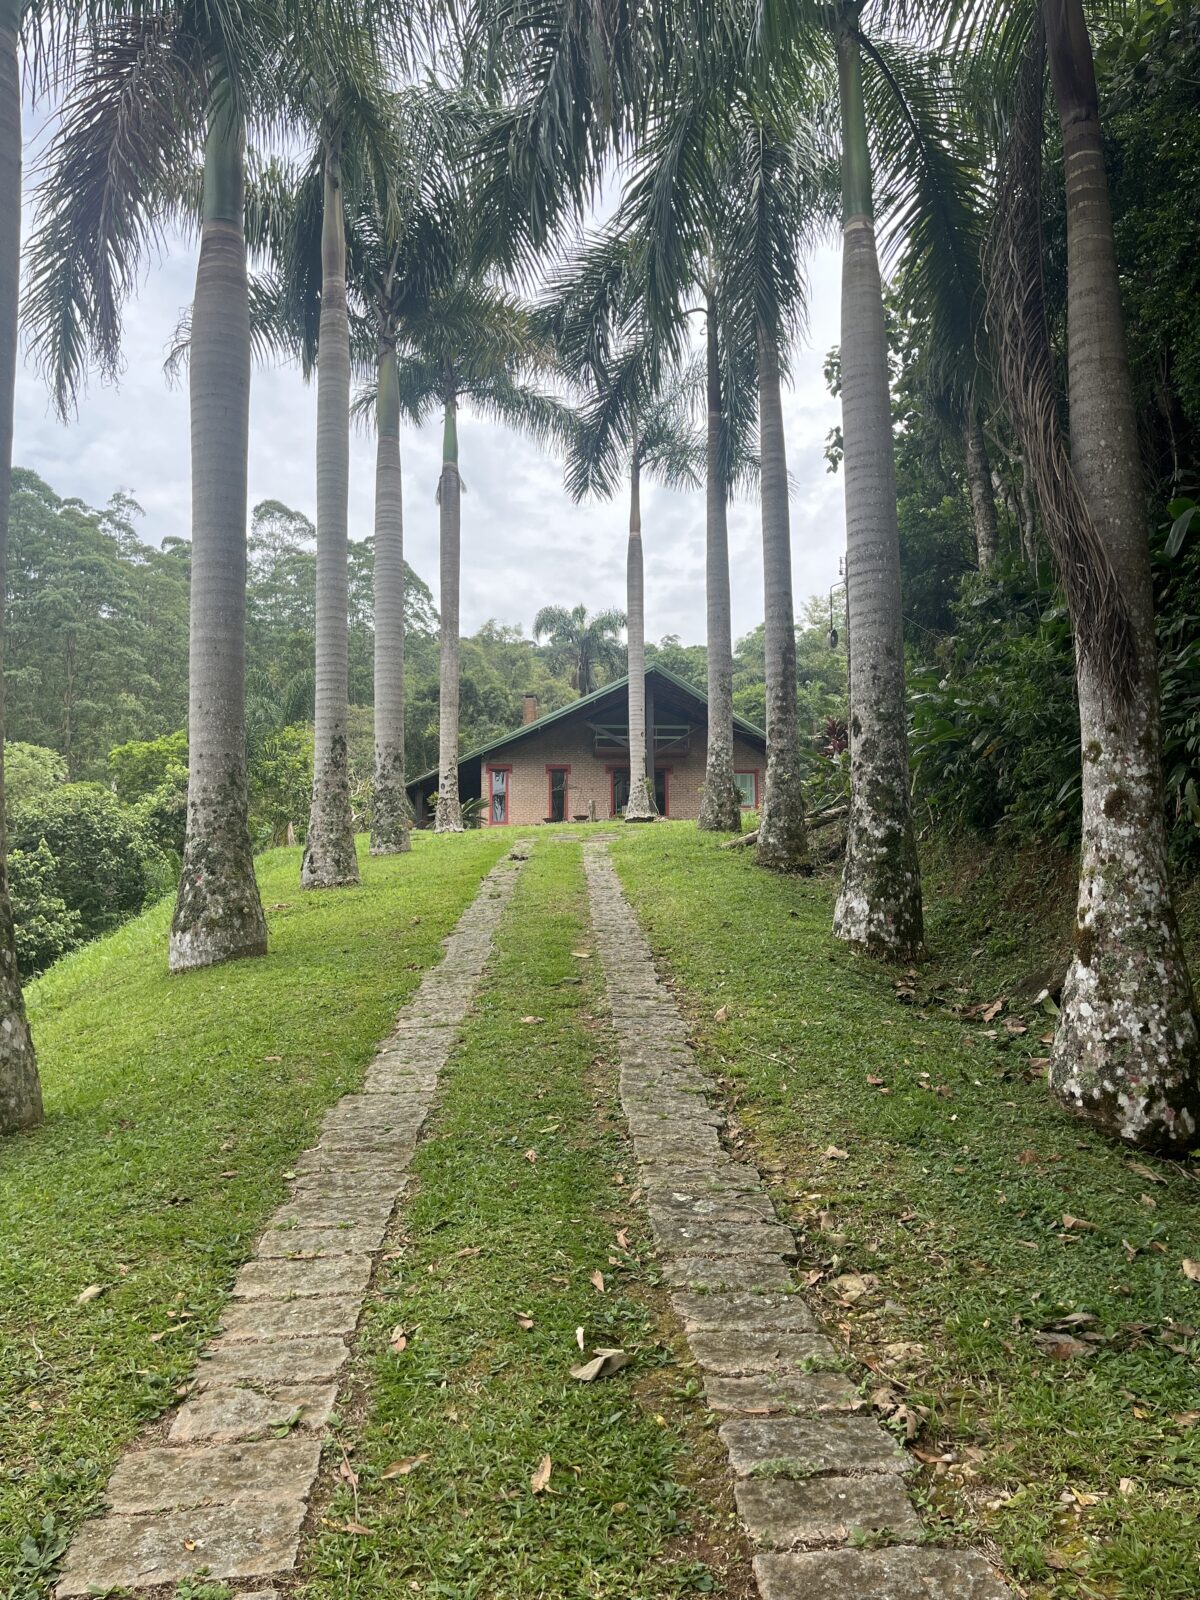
948 1194
523 1185
174 1105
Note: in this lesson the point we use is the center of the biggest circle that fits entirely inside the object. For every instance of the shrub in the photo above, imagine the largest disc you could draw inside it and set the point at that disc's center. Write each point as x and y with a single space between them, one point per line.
144 766
281 784
105 867
46 926
30 770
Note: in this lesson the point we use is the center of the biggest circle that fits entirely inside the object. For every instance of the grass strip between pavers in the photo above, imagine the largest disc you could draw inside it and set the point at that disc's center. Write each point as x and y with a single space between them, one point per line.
1015 1281
174 1107
523 1184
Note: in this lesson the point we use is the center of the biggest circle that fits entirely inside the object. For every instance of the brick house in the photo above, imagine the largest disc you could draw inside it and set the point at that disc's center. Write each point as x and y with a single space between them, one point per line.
554 768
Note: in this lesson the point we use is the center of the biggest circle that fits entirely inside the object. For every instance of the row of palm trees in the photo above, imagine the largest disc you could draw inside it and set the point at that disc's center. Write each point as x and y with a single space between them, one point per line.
391 250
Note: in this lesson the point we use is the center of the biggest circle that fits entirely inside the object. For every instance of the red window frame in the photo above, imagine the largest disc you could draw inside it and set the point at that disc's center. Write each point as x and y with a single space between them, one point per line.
551 768
749 772
491 771
612 787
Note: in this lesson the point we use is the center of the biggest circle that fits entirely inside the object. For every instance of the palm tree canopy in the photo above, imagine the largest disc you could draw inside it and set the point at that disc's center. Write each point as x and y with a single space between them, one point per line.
587 644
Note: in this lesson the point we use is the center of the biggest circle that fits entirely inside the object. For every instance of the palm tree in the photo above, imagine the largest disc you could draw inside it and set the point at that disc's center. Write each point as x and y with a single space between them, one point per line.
589 644
630 424
467 341
20 1089
1126 1052
155 89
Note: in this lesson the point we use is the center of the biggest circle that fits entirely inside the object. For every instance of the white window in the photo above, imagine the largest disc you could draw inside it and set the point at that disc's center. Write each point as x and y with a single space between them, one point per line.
747 786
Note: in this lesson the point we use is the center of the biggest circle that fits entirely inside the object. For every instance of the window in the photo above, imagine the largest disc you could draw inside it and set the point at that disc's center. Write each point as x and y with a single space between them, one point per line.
498 789
747 787
620 790
556 779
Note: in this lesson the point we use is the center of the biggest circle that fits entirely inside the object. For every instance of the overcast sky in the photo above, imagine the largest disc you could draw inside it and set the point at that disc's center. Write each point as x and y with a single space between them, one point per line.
525 544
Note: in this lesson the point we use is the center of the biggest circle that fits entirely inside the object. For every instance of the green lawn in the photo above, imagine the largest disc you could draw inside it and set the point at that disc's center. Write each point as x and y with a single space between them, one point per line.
1080 1470
524 1183
174 1106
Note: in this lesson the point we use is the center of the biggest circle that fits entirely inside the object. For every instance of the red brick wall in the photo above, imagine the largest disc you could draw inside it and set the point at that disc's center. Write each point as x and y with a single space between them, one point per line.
590 779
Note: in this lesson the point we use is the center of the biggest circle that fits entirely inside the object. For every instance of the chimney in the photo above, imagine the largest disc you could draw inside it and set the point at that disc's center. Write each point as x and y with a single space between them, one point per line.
529 710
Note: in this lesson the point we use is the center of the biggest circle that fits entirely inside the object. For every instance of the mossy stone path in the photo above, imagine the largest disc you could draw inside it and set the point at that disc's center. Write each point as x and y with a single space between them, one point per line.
819 1485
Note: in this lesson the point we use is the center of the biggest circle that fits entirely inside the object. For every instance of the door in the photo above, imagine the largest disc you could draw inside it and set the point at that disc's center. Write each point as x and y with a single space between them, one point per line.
558 794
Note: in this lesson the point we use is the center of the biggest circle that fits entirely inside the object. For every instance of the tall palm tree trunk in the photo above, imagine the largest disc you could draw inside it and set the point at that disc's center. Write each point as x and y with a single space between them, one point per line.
640 806
218 914
389 811
20 1091
1126 1052
979 484
720 804
782 834
448 812
329 854
879 906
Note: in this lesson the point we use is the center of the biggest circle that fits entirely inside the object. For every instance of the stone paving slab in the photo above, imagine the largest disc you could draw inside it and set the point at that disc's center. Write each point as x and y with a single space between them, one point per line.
304 1360
281 1280
735 1352
744 1273
900 1574
688 1236
219 1474
786 1312
302 1242
245 1541
289 1319
783 1514
789 1393
230 1412
227 1494
791 1447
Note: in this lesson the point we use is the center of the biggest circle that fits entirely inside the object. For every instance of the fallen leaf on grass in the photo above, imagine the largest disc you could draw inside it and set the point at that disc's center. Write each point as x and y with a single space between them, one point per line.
398 1339
1146 1172
1077 1222
876 1083
1062 1346
530 1020
92 1292
542 1476
596 1279
602 1365
1186 1419
853 1286
531 1156
990 1013
834 1154
524 1321
722 1015
401 1469
582 955
1127 1486
349 1527
1191 1269
623 1238
579 1337
471 1250
347 1472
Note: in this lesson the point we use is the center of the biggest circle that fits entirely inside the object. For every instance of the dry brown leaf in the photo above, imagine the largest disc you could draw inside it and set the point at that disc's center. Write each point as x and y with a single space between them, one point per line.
1078 1222
1191 1269
542 1476
529 1021
1186 1419
603 1364
596 1279
876 1083
401 1469
347 1472
623 1238
722 1015
531 1156
524 1321
834 1154
92 1292
351 1527
579 1337
471 1250
582 955
398 1339
1127 1485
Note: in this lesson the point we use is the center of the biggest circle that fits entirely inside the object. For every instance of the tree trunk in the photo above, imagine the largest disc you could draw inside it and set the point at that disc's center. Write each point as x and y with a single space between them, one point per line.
720 804
329 855
979 482
782 835
20 1091
389 810
448 813
640 806
879 906
218 914
1126 1053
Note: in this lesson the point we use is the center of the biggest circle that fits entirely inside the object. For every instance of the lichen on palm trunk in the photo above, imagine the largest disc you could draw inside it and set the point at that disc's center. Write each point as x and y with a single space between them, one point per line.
879 907
329 855
782 833
639 807
447 815
390 814
1127 1049
218 914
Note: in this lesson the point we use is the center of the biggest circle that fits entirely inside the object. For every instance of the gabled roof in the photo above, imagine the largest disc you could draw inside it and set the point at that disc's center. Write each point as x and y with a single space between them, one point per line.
672 678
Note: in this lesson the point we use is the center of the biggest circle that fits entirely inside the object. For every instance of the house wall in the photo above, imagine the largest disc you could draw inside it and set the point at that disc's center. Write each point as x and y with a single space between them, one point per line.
590 776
